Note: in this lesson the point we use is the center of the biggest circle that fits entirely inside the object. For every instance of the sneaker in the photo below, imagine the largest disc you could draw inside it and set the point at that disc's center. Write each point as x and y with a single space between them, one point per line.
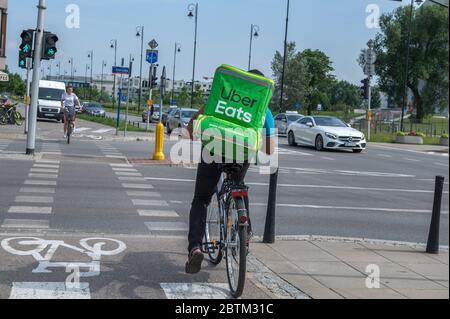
194 263
64 136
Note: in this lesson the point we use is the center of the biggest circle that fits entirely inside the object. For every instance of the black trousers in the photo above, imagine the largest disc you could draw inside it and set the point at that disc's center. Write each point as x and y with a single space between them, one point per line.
208 176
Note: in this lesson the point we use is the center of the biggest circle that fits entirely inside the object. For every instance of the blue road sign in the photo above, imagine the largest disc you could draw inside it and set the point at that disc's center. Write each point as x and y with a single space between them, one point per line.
152 56
120 70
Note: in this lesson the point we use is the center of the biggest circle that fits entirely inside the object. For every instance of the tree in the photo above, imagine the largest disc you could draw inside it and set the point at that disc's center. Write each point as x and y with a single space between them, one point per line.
16 86
428 65
344 95
183 97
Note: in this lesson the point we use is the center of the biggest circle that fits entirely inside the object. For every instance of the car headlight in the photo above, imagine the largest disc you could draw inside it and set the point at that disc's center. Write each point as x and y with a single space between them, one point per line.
330 135
363 137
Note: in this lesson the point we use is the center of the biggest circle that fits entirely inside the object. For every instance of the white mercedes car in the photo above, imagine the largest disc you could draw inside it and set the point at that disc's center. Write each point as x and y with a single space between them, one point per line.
325 132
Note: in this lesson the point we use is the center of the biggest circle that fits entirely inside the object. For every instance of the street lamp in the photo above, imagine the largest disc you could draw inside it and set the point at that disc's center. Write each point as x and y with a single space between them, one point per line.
284 57
177 49
101 81
254 32
91 56
193 13
140 33
71 67
85 79
114 46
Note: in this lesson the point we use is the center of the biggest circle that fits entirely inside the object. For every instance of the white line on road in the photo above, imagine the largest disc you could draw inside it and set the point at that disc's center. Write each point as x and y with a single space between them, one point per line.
35 175
45 166
29 210
25 223
34 199
138 186
411 159
196 291
81 129
166 226
311 186
143 194
441 164
157 213
128 178
43 170
115 156
38 182
327 158
120 169
149 202
128 174
47 162
37 190
385 155
103 130
48 290
120 165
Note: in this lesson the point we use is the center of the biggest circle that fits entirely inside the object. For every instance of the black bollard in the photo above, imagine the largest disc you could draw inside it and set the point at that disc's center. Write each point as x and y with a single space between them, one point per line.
433 235
269 229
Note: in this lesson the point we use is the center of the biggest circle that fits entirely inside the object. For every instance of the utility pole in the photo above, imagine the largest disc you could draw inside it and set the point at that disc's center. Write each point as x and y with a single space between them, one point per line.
284 58
140 32
27 102
128 94
31 137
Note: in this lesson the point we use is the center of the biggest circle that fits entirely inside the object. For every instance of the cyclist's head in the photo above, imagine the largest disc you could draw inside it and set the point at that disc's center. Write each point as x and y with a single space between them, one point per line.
69 89
257 72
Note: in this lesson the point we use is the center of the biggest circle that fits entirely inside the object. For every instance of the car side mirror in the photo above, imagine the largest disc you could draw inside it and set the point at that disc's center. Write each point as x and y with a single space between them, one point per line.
284 120
309 124
177 116
349 125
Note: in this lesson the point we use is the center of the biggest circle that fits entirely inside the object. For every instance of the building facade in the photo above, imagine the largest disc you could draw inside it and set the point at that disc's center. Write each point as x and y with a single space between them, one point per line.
3 24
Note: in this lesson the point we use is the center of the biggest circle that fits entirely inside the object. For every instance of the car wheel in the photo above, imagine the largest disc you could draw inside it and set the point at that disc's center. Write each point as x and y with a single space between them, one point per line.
319 143
358 150
291 139
143 120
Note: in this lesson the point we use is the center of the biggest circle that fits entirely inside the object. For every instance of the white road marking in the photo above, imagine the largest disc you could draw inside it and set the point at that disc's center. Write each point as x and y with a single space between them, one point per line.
128 174
114 156
34 199
411 159
176 202
48 290
327 158
120 169
46 166
47 162
37 190
138 186
149 202
43 170
29 210
385 155
167 226
128 178
81 129
142 194
196 291
26 223
35 175
120 165
39 182
376 209
103 130
311 186
441 164
157 213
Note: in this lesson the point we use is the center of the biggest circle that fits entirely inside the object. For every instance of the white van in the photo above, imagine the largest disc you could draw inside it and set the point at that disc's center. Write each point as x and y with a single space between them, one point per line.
49 103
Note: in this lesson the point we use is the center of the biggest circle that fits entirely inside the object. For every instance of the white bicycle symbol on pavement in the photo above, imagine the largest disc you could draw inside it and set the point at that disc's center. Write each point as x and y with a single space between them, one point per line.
43 250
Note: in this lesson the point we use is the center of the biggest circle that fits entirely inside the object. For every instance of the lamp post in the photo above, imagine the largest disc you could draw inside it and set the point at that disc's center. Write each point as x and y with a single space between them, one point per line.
193 13
101 80
58 65
71 68
284 57
177 49
254 32
114 46
140 33
85 79
91 56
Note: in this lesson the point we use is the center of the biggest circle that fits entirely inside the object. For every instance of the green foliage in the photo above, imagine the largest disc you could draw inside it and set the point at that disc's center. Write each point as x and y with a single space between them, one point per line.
16 86
401 134
444 136
428 65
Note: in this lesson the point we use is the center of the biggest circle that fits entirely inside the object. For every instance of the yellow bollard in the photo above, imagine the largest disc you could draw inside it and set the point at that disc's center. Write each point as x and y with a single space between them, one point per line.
159 140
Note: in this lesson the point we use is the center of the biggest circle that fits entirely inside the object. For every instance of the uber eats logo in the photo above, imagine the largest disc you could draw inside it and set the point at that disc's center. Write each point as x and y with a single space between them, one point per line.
239 104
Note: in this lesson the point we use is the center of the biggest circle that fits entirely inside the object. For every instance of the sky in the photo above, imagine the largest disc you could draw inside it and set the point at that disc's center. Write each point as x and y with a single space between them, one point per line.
336 27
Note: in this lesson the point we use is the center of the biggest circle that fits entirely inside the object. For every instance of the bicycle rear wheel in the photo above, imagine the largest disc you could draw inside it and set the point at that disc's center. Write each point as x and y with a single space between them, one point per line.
18 119
212 230
236 247
69 131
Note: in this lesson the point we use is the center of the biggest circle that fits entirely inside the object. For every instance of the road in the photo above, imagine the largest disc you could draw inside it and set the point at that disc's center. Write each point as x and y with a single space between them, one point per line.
95 188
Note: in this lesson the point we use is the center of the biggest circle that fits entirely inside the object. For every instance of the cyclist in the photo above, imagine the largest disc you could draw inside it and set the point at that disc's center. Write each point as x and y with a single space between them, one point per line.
208 175
68 102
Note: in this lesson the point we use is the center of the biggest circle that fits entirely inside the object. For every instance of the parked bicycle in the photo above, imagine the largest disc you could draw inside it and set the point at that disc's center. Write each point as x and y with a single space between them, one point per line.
10 115
226 227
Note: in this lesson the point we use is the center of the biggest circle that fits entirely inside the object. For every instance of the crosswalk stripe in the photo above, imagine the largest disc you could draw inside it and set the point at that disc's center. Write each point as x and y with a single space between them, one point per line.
211 291
120 165
121 169
29 210
48 290
39 182
128 178
138 186
143 194
166 226
45 166
47 162
43 170
34 199
42 175
128 174
115 156
26 223
149 202
37 190
157 213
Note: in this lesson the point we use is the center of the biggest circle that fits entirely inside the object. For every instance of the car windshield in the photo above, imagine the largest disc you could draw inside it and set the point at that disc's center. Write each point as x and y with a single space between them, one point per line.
187 114
294 117
50 94
329 121
93 106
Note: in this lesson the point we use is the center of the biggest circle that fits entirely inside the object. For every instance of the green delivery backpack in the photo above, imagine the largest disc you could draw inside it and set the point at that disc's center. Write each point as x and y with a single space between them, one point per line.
234 114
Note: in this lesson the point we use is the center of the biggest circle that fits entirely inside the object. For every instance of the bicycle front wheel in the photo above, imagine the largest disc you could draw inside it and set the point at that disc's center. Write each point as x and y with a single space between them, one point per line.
236 247
18 119
69 131
213 230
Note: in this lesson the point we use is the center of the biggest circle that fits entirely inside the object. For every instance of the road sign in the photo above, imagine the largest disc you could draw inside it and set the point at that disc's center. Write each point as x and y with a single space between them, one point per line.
120 70
153 44
4 77
79 84
152 56
149 103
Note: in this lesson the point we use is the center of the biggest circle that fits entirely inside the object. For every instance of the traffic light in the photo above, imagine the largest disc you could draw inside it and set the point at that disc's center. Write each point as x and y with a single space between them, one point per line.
49 46
365 89
26 47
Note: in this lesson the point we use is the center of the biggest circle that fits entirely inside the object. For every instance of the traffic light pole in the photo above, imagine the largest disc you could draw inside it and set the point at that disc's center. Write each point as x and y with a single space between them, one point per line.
32 112
150 78
27 101
369 101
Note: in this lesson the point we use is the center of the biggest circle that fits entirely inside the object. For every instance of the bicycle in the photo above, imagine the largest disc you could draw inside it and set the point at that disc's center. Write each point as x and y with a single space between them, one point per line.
9 115
70 126
226 227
